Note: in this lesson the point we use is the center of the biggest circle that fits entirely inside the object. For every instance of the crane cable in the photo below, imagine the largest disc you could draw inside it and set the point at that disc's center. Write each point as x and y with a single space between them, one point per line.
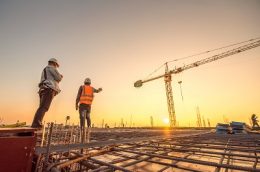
205 52
180 82
182 58
155 71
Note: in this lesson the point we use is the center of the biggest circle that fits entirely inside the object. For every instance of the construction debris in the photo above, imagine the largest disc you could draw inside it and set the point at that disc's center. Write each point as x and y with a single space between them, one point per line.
233 128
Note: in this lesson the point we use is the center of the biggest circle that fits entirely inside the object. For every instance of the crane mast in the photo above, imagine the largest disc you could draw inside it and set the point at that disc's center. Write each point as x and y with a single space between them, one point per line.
168 73
169 95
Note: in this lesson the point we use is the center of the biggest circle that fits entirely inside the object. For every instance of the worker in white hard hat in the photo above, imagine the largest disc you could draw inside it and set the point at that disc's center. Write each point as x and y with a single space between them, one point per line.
48 88
84 100
254 121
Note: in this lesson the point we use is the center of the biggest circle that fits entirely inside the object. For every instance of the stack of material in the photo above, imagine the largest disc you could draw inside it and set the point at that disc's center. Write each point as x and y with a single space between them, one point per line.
223 128
239 127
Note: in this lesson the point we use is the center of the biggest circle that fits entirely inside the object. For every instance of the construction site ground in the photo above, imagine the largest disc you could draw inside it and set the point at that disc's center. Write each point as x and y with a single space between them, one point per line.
148 150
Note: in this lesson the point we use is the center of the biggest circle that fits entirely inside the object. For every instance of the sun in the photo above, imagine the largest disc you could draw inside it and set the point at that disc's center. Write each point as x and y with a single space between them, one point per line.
166 120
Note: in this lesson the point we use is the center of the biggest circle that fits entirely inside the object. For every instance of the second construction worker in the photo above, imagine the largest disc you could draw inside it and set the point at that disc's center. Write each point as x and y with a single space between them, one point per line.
84 100
254 121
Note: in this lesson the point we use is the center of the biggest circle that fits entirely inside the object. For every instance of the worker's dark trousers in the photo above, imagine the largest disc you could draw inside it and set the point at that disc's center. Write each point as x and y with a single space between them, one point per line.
84 108
46 97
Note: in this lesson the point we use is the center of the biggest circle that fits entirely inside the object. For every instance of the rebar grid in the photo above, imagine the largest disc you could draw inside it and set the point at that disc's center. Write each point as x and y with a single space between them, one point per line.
64 135
205 152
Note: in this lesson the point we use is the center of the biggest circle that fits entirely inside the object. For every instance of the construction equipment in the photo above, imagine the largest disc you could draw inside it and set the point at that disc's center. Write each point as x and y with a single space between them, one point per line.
167 75
17 147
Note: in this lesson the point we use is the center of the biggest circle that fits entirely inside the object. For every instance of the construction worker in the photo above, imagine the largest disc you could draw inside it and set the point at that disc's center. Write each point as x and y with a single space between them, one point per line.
48 88
84 100
254 121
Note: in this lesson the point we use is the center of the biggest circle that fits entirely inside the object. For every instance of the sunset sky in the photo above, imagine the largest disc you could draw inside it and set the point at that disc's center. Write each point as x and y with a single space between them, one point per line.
115 43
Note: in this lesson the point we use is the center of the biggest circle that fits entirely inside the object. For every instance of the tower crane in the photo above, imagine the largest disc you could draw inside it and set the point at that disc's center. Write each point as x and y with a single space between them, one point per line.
168 74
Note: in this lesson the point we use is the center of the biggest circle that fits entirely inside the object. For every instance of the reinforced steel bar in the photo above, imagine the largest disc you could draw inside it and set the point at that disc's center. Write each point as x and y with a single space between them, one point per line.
210 152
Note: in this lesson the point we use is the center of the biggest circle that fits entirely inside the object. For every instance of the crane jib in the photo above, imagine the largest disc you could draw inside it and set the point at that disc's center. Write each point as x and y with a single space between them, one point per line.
237 50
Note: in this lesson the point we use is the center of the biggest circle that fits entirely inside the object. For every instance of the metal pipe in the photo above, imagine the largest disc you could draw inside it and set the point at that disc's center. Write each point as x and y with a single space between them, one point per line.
222 158
136 161
161 163
43 134
217 147
63 148
67 163
110 165
89 165
191 160
48 147
202 151
101 168
236 143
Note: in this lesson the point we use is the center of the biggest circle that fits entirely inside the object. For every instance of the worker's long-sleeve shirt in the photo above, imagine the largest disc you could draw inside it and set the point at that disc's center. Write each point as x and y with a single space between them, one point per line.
80 92
50 78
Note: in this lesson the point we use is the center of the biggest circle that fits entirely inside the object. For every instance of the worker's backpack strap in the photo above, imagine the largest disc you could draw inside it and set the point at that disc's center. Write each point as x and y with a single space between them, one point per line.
82 90
45 77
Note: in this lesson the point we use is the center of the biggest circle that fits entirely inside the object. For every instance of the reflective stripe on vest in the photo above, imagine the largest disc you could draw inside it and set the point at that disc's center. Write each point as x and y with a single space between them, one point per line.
86 95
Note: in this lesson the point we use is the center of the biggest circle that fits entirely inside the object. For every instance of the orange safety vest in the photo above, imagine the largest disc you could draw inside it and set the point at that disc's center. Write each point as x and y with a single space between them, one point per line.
87 95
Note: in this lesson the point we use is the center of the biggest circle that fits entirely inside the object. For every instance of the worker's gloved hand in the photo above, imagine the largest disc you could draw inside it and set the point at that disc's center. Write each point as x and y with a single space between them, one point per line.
100 89
77 107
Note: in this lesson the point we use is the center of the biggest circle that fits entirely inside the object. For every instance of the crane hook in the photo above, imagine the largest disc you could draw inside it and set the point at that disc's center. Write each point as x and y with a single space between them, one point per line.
180 82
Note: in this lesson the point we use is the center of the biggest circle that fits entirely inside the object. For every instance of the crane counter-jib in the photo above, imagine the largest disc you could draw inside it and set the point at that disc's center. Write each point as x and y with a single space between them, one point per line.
139 83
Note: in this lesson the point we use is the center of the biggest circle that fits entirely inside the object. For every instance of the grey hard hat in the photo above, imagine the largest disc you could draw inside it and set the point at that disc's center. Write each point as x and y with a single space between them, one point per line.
54 61
87 81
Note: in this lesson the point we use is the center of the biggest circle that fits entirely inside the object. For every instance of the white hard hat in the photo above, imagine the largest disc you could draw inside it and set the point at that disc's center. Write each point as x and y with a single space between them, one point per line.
54 61
87 81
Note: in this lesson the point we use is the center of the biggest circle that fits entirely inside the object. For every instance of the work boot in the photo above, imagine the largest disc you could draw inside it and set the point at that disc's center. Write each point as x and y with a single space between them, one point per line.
39 127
